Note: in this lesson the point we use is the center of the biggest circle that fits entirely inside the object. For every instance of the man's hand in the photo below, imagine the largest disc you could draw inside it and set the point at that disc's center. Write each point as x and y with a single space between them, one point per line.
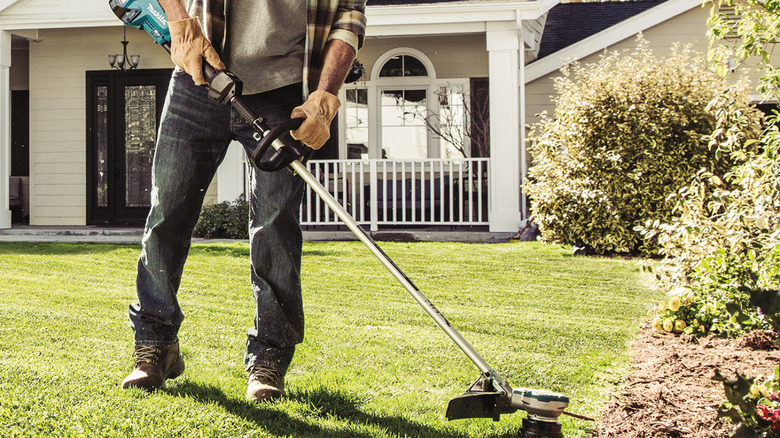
319 110
189 47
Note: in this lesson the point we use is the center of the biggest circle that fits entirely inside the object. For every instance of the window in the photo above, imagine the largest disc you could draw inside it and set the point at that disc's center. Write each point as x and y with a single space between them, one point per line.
451 122
356 114
403 93
404 133
403 66
404 113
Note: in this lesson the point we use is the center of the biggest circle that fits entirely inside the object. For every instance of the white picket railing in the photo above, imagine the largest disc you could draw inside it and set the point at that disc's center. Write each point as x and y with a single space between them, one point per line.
401 192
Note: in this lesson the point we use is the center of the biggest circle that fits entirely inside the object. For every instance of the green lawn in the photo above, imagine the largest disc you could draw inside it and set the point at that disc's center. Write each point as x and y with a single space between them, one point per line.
373 363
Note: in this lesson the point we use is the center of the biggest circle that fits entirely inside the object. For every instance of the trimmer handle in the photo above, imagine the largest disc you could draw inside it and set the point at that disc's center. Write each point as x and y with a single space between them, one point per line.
226 88
280 157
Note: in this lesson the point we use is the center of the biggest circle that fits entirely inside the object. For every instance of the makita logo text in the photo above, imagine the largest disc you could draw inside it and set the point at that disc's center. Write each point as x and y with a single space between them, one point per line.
157 15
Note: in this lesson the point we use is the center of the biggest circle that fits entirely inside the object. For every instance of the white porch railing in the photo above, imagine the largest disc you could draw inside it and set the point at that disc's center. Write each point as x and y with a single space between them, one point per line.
401 192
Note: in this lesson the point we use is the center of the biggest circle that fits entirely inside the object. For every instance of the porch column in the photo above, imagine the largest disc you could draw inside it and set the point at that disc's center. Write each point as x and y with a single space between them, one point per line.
503 45
5 128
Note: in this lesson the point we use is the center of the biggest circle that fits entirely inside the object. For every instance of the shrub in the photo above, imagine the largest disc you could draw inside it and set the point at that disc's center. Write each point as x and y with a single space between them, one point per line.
626 132
226 220
725 240
704 312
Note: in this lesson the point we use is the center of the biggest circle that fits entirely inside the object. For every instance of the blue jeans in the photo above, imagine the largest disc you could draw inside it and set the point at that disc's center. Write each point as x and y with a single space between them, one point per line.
192 141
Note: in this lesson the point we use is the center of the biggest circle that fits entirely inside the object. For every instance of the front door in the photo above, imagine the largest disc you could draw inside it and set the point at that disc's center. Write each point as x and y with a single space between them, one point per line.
123 113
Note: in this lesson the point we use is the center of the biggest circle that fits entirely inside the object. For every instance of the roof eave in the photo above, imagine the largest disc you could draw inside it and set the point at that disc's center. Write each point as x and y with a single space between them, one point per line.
607 37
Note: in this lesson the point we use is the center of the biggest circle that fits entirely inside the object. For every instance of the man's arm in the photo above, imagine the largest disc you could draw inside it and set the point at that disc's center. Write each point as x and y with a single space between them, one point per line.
323 104
336 64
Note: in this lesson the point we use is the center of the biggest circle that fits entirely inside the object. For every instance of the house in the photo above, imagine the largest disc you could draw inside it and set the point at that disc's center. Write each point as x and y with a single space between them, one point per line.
80 134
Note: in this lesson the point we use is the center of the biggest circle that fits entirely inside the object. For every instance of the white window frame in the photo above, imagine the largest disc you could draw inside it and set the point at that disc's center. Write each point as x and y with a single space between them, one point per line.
375 85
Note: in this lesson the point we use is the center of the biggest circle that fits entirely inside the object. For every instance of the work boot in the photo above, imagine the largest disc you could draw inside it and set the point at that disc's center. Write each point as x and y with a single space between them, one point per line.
153 366
265 384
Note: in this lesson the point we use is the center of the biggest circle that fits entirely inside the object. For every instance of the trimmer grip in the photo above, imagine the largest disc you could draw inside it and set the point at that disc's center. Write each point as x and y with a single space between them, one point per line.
281 157
209 72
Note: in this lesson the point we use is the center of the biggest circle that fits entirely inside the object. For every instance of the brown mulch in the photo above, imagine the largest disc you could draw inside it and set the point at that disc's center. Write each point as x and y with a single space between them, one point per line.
670 392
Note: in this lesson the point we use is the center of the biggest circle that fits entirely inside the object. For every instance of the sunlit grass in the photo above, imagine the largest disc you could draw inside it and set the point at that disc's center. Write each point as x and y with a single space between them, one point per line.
373 364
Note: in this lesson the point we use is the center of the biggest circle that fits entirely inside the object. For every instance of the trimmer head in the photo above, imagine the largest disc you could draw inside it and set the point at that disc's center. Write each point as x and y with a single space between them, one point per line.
484 400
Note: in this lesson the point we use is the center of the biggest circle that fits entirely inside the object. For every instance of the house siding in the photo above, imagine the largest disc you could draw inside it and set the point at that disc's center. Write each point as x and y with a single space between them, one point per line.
58 62
687 28
455 56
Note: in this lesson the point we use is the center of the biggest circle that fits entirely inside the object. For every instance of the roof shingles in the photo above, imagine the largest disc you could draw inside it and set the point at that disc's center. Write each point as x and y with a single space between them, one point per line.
569 23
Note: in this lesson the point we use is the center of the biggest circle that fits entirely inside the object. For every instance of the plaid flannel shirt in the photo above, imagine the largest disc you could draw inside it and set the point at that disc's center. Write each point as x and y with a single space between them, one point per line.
326 20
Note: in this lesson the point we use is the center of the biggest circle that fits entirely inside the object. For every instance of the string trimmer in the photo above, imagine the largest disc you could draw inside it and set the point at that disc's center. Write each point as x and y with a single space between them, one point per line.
488 397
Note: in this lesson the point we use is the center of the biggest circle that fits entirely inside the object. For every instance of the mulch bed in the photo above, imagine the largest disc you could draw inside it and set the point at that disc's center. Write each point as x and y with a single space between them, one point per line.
670 392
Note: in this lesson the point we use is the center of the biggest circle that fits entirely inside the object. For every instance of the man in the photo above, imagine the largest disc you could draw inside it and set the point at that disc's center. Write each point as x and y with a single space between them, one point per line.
281 49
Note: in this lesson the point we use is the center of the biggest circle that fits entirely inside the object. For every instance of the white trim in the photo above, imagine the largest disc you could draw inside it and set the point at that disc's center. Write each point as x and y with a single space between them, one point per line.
757 98
6 3
381 60
504 49
379 16
27 22
5 128
383 20
609 36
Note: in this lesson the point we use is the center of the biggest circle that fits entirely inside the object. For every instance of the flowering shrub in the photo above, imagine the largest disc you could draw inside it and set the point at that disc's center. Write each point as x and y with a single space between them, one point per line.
702 312
753 407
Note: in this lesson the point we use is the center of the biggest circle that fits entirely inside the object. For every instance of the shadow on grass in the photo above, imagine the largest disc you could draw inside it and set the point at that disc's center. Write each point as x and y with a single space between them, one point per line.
51 248
237 251
324 403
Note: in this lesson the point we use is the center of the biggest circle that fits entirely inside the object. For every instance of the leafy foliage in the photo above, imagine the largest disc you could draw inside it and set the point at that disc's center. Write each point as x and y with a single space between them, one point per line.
723 241
754 407
227 220
703 312
626 133
748 35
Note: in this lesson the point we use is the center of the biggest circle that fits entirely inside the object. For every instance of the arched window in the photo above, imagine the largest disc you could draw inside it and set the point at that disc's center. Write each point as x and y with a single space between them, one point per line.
386 113
403 66
403 87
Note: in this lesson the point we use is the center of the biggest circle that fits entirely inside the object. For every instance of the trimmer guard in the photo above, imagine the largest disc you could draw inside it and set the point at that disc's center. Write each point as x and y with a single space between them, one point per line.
474 405
485 398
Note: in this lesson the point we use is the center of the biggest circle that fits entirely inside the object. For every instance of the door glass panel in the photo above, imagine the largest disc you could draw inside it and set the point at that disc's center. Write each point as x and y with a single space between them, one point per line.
454 133
101 131
140 132
402 66
357 122
404 134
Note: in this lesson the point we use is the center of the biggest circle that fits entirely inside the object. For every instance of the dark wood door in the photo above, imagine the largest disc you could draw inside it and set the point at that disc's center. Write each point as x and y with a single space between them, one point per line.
123 114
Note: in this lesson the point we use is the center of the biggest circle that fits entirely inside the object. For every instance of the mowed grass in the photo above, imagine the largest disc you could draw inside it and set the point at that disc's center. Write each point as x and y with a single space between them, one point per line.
373 363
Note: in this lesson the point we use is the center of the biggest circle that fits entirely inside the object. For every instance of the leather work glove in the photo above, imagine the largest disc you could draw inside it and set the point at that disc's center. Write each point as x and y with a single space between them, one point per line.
319 110
189 47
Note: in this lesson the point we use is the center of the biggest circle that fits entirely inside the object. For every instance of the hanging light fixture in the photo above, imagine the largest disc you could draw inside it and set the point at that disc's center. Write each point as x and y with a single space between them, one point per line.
123 62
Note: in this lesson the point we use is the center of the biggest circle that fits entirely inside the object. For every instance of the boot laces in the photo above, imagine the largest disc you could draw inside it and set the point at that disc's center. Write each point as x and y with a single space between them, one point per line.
265 375
147 354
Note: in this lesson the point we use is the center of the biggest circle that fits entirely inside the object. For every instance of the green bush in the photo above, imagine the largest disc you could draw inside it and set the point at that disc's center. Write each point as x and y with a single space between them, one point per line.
626 133
725 239
225 220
